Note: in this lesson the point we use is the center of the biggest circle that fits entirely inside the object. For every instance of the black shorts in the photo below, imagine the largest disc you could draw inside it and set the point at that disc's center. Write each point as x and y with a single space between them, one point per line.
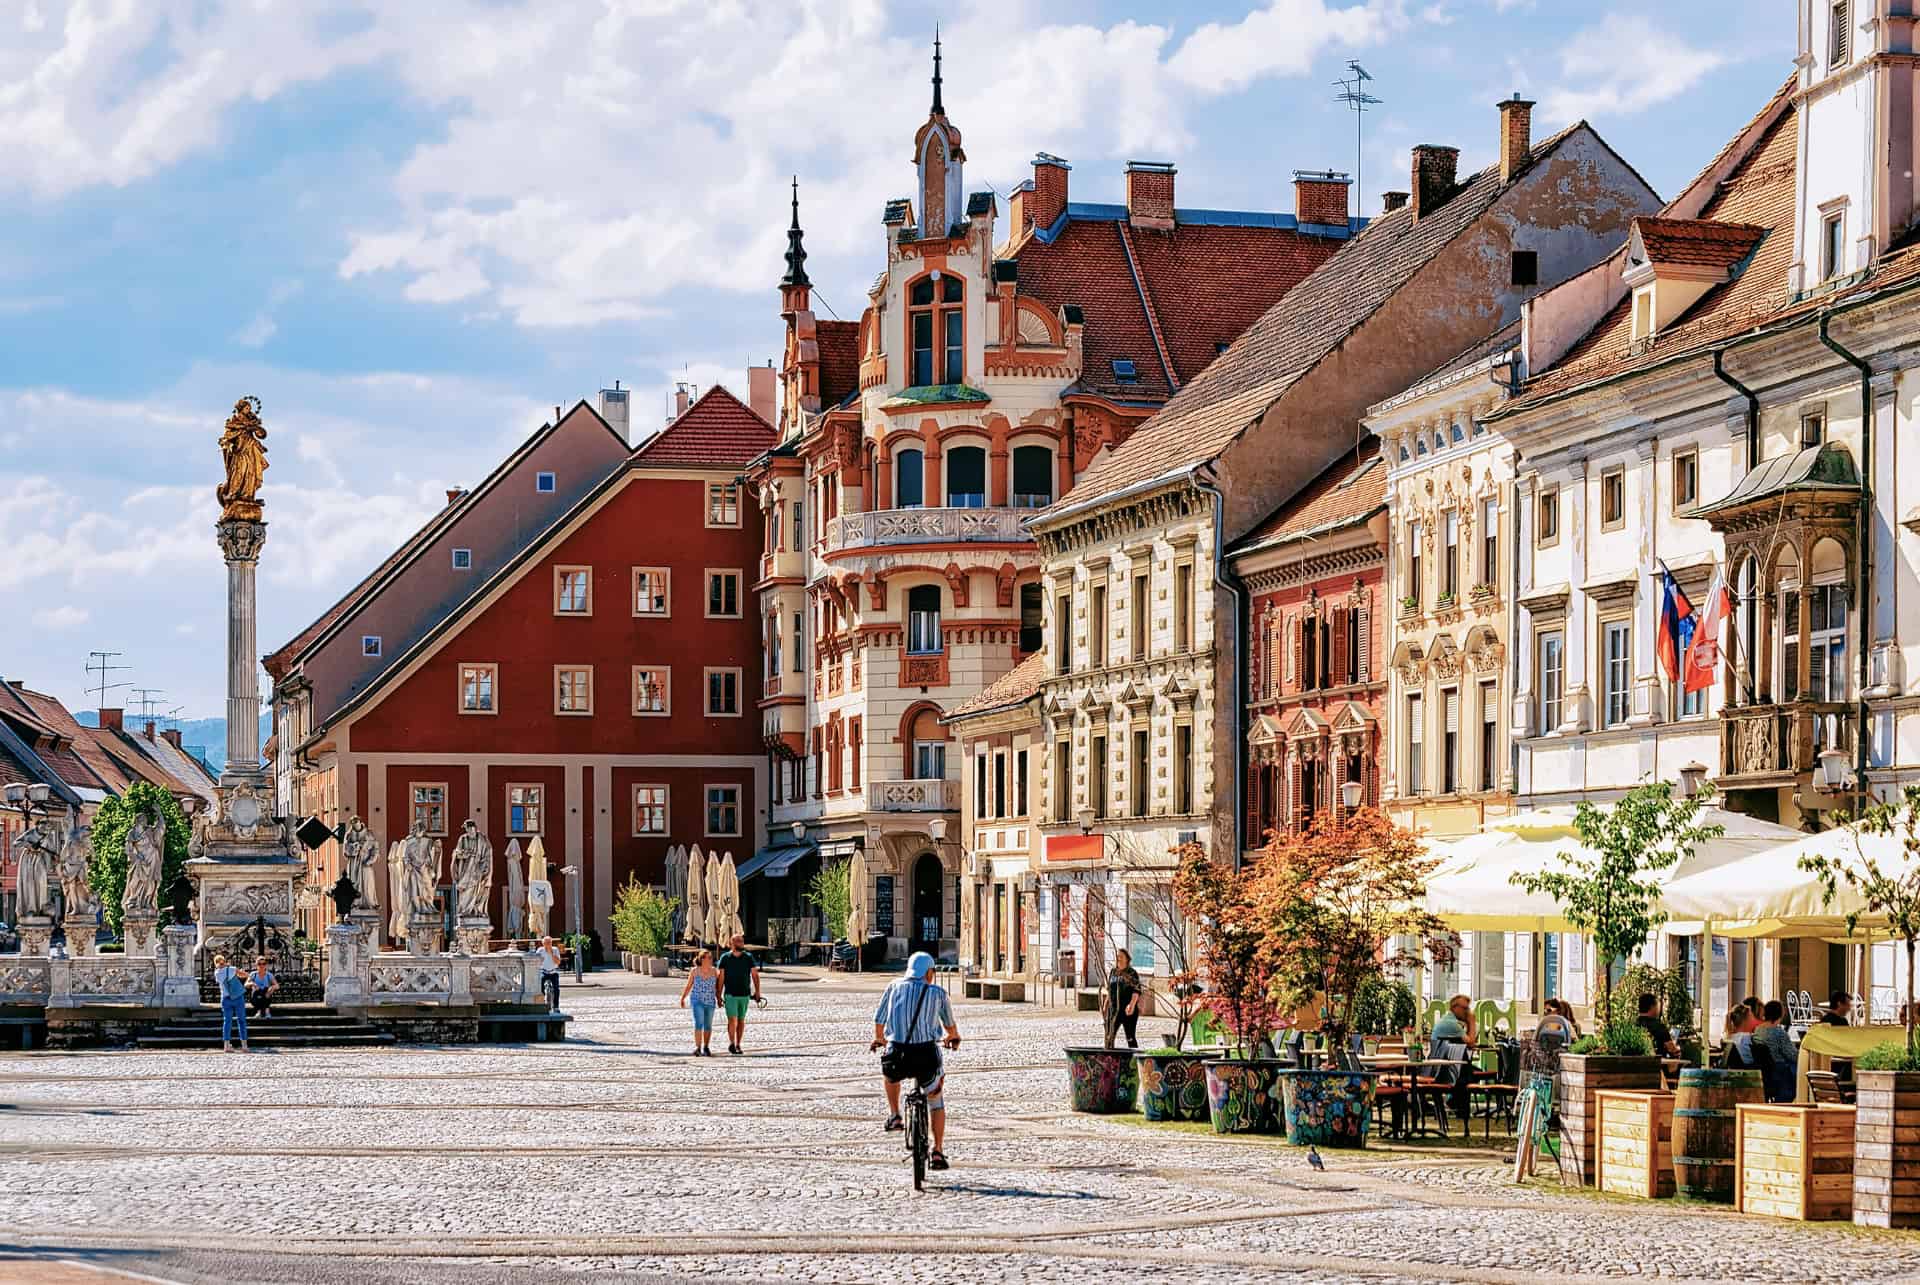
917 1062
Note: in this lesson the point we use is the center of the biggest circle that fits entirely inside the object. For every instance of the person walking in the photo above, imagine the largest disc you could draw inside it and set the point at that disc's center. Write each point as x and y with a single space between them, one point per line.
549 972
703 986
233 1003
742 978
1120 1001
261 984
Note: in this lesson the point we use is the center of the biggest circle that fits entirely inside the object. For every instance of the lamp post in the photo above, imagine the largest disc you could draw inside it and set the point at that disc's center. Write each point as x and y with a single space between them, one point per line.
579 939
799 831
1350 794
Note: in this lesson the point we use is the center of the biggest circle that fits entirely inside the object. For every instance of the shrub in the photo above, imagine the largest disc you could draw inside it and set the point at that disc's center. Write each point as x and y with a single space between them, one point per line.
1890 1056
831 893
642 919
1585 1044
1627 1039
1676 1003
1381 1007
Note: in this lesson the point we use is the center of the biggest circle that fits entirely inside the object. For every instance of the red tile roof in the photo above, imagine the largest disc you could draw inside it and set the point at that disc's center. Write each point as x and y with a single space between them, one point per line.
718 431
1352 490
1290 339
839 343
1703 243
75 761
1018 684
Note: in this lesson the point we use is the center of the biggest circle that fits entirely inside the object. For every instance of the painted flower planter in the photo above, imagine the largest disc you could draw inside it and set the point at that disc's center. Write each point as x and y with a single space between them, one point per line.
1173 1086
1102 1081
1243 1096
1328 1108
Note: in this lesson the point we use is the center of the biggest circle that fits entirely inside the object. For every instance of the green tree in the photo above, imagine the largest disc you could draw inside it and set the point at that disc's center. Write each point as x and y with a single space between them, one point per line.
642 919
1605 886
831 893
107 867
1893 893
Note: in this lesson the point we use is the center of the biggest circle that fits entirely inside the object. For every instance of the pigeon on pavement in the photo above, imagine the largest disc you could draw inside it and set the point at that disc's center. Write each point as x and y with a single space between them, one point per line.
1313 1158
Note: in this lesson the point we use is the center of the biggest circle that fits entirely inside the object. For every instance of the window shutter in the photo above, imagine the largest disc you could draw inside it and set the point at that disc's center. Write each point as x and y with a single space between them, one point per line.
1297 665
1365 618
1276 626
1291 645
1337 663
1453 711
1293 792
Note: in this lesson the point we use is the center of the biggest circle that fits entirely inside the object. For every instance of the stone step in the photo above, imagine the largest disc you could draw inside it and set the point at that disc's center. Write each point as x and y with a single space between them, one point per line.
349 1039
266 1026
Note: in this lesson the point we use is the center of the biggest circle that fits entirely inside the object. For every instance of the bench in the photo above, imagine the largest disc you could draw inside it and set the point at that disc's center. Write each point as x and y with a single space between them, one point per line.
1013 992
523 1028
972 988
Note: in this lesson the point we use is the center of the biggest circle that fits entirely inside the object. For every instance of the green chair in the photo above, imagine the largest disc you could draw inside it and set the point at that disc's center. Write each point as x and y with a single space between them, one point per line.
1204 1029
1492 1018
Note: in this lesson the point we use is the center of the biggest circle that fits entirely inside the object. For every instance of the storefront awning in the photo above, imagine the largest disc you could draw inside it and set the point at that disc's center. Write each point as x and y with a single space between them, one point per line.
774 860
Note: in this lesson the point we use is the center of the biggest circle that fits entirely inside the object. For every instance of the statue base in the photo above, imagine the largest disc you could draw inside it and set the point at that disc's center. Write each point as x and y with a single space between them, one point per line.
80 930
179 987
426 935
347 955
473 935
137 931
245 868
36 935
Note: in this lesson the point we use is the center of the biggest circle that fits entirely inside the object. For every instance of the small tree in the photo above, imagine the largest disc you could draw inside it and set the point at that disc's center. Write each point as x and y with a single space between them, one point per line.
1220 904
642 919
1892 893
831 893
1334 898
107 866
1153 915
1604 887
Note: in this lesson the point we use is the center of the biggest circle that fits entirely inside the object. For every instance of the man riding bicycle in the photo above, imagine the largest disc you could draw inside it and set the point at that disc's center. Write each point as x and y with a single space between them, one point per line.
908 1024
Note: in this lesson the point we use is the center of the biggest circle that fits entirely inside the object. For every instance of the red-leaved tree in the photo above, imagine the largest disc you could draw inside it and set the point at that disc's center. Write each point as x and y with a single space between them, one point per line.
1218 903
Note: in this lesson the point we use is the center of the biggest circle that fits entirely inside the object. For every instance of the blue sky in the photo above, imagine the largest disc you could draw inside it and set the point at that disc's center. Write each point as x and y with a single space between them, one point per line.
413 229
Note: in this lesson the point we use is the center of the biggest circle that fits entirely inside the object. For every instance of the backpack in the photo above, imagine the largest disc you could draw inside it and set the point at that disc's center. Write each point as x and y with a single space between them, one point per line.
232 985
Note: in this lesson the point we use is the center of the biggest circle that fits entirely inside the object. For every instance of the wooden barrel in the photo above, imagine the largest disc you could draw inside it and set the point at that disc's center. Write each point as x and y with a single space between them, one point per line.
1704 1129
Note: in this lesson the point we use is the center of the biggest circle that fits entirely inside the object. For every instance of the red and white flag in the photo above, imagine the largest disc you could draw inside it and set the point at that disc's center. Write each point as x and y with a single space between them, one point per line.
1702 664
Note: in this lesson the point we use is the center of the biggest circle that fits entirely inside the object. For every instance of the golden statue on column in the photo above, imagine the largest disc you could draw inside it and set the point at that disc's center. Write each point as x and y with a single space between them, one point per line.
243 448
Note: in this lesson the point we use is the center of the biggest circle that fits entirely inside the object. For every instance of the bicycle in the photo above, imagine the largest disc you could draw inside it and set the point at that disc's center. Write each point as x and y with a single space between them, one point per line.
919 1134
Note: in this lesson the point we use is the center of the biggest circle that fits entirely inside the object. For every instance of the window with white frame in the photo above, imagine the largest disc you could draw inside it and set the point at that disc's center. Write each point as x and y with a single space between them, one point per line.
723 693
370 645
929 760
1450 555
1416 746
463 559
723 594
1839 37
1548 514
723 504
1450 741
543 483
652 691
429 806
1411 590
651 595
525 809
477 684
650 809
1686 477
799 642
1489 736
1833 245
923 620
1616 672
573 689
966 470
1490 541
1549 677
1826 606
723 811
1613 497
572 591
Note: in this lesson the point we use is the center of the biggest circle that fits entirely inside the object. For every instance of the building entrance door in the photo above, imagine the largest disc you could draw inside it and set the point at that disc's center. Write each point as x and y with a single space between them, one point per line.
925 928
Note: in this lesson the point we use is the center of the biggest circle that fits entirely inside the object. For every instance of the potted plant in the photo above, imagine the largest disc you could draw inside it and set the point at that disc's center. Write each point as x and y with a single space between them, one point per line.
1333 901
1242 1086
1481 592
1605 889
1885 1191
642 923
1444 601
1173 1077
1409 605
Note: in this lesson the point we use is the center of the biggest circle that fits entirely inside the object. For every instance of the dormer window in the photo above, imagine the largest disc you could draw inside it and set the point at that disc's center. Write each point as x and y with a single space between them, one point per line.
1125 371
1839 35
936 326
1672 263
1643 314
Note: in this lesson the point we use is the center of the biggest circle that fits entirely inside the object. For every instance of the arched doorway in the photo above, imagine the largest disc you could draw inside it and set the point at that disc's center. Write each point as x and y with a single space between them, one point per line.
924 929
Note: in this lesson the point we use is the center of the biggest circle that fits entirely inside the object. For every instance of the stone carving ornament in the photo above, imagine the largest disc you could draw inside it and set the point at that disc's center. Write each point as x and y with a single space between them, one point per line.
37 852
473 872
410 979
146 848
361 851
421 861
114 979
73 872
26 979
397 890
250 899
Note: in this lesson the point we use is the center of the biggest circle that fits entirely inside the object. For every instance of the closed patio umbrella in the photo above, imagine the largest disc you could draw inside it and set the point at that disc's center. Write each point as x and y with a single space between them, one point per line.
730 897
856 925
697 897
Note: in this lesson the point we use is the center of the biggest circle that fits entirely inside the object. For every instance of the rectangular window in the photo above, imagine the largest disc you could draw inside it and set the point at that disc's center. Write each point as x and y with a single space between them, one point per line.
1032 477
650 594
966 478
430 807
723 811
1489 736
524 809
853 753
543 483
930 760
923 621
1833 246
1813 429
1549 523
1183 606
980 761
723 504
649 809
922 326
463 559
370 645
799 642
1140 923
1642 314
1693 703
1613 498
723 594
1183 768
573 591
1490 542
799 526
1686 478
1020 783
1526 267
1617 674
1140 616
1416 747
573 689
652 690
1140 771
1548 679
1355 672
1097 775
1063 781
954 368
477 685
1450 741
723 693
1063 633
1097 626
1414 550
1450 555
1000 784
1839 37
1826 643
1032 626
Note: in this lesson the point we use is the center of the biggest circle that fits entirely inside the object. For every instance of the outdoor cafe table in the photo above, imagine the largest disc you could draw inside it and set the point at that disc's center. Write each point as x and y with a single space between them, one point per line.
1408 1069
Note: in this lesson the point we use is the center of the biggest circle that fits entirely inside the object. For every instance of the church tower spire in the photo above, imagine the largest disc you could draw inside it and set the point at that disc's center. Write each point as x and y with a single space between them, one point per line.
796 250
938 110
937 158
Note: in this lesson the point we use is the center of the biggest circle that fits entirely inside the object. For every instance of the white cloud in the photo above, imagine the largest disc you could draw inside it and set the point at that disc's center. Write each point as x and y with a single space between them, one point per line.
1624 65
1287 38
62 617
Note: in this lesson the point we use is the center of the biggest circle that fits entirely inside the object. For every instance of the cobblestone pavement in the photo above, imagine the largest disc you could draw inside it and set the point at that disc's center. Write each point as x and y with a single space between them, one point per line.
616 1151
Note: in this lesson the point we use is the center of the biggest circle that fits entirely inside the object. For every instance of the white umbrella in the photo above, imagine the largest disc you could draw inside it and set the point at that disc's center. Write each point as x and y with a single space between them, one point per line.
716 890
729 901
856 924
696 897
1764 893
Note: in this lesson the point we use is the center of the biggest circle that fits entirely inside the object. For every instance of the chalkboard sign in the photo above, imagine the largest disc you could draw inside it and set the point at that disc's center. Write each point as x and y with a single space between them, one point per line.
883 905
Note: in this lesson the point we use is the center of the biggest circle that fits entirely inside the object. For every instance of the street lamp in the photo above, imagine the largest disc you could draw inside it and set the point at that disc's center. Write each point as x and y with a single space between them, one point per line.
1691 778
1350 793
579 939
1833 770
799 831
937 829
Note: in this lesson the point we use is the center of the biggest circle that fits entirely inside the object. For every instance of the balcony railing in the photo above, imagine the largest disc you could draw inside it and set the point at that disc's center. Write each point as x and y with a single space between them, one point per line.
915 796
1763 740
925 526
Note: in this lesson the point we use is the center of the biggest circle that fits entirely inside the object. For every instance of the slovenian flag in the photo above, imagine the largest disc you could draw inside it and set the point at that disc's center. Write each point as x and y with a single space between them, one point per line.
1703 656
1675 633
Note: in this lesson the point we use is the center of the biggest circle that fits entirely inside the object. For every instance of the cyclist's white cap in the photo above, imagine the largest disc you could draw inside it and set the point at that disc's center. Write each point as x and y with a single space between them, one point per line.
919 964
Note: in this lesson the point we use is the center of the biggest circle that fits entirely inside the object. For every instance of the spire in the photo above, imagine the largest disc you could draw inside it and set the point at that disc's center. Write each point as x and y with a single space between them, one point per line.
938 110
796 252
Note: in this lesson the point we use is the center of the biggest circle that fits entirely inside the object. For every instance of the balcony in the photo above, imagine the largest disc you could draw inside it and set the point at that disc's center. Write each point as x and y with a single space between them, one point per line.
915 796
1781 741
925 526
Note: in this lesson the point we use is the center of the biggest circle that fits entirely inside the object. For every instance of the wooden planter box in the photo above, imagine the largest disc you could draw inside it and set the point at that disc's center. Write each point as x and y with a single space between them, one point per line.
1636 1143
1886 1149
1793 1161
1583 1076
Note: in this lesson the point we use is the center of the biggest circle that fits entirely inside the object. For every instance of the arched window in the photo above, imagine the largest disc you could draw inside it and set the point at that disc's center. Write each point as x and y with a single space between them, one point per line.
967 477
1032 477
929 741
938 329
907 493
923 620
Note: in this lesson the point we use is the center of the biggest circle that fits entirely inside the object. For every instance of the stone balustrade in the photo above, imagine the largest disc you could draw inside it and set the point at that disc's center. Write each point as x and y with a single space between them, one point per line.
915 796
925 526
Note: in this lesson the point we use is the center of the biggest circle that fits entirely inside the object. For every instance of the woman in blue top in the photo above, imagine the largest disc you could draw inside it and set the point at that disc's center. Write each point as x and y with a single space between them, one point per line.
703 984
233 1003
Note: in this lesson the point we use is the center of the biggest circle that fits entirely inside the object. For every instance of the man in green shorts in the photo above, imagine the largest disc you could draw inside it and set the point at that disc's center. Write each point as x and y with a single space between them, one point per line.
741 986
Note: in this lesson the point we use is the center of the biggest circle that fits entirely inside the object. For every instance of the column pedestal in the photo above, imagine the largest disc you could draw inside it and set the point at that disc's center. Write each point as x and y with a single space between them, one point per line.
473 936
36 935
426 935
137 932
177 985
80 930
347 964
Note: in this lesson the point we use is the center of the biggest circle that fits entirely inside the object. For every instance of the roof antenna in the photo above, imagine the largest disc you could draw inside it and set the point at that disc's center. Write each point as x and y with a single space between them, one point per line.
1354 94
101 663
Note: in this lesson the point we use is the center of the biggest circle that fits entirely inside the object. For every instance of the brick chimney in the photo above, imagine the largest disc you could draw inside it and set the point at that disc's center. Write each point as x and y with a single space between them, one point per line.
113 719
172 737
682 398
762 392
1516 136
455 494
1391 201
1048 200
1150 195
1320 196
1434 170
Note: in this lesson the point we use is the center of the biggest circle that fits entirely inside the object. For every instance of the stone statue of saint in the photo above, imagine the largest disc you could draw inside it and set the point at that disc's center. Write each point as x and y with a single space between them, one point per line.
473 872
146 854
73 872
37 851
397 890
516 891
422 861
243 449
361 851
